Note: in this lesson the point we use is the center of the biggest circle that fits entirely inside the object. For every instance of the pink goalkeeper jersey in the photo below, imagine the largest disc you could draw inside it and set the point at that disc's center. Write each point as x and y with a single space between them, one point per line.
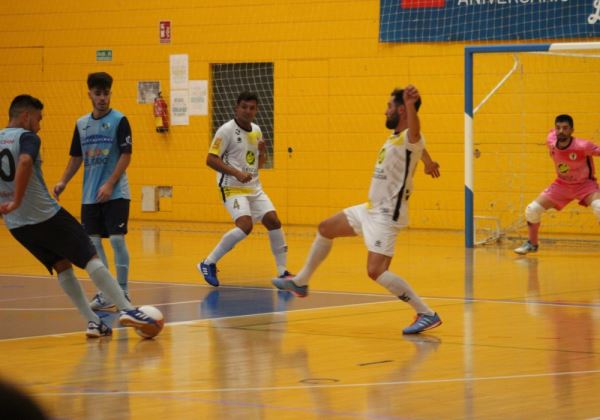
573 164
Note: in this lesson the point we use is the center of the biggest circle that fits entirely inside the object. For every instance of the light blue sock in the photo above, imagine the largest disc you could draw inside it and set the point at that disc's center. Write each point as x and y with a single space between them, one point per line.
97 241
107 284
72 288
121 260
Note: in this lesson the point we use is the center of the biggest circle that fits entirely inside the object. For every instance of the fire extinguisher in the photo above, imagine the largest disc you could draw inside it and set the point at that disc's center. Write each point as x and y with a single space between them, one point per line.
161 114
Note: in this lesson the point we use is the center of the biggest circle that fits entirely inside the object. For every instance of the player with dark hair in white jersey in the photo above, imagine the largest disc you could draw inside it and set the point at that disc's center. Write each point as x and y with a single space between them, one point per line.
380 219
236 153
43 227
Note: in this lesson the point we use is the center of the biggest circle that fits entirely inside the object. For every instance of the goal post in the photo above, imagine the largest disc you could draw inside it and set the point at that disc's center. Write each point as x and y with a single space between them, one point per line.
470 110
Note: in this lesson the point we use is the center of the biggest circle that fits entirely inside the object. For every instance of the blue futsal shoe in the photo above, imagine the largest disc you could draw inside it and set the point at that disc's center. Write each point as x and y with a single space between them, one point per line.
423 322
209 271
101 303
285 282
135 318
97 330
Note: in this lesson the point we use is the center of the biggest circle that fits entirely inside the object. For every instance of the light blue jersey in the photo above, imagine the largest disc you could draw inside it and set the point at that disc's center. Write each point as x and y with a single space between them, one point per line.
37 205
100 143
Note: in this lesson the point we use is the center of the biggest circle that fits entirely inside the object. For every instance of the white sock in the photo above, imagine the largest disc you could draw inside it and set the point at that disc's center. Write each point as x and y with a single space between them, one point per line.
318 252
72 288
279 249
228 241
107 284
398 287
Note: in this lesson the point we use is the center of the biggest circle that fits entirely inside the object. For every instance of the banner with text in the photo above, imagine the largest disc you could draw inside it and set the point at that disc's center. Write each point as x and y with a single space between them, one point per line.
482 20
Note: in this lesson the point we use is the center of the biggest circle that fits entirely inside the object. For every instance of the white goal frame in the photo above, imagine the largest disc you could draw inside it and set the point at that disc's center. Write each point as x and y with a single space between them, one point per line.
470 52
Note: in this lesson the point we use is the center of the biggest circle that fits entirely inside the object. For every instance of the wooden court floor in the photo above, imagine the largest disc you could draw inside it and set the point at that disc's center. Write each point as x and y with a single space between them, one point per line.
518 338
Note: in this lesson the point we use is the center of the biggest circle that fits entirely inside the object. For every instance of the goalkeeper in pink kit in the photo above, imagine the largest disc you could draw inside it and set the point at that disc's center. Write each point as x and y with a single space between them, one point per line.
576 179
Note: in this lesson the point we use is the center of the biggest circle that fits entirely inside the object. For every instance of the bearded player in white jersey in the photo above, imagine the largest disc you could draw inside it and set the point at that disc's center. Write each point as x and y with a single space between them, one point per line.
380 219
237 152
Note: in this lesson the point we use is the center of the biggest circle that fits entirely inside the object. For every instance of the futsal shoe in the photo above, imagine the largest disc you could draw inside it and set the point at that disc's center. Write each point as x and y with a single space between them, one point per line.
135 318
526 248
103 304
209 271
96 330
423 322
284 282
100 303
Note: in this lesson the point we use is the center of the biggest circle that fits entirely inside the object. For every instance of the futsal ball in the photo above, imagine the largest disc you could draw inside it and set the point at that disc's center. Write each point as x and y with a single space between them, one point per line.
151 330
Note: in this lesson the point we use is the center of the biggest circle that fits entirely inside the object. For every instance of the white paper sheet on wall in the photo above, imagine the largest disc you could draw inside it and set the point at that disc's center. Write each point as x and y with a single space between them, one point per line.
198 97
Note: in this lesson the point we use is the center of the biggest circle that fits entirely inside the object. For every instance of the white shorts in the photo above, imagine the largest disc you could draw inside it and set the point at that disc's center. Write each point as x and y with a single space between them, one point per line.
379 236
255 206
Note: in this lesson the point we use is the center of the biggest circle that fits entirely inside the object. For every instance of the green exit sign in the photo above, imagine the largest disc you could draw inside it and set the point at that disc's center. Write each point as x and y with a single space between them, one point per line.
103 55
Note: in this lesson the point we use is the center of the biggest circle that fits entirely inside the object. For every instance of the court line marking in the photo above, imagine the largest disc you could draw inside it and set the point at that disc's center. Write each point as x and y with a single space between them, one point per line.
326 386
324 292
204 320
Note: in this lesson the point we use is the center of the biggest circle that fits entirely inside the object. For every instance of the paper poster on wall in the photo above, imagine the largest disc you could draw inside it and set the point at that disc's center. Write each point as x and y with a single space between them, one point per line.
179 71
147 91
179 107
198 97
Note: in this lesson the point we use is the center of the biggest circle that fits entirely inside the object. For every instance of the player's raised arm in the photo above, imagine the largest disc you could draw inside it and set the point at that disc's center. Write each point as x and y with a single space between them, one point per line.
410 97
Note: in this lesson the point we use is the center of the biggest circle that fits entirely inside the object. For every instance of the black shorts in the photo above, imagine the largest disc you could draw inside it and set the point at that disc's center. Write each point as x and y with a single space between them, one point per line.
105 219
58 238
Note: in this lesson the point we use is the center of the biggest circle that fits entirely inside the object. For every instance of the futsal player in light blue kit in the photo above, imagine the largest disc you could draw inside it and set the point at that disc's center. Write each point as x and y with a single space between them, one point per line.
43 227
102 142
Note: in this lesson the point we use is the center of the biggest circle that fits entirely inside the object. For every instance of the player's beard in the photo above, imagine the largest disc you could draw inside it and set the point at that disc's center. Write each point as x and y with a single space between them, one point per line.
392 122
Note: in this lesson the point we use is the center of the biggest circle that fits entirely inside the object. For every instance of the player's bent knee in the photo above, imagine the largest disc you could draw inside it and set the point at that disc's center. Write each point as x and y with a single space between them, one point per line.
533 212
374 272
595 205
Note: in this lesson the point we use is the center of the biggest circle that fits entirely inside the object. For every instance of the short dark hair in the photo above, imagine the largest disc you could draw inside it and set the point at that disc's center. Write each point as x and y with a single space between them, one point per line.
100 80
398 95
22 103
564 118
247 96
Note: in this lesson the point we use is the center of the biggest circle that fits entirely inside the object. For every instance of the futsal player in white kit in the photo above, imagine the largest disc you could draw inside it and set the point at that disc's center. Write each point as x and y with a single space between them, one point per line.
237 152
380 219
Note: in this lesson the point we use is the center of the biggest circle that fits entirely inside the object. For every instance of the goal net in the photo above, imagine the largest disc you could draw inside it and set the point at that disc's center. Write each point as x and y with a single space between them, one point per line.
512 95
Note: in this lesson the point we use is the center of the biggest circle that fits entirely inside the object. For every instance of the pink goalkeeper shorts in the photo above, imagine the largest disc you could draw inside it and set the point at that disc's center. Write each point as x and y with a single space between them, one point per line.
562 193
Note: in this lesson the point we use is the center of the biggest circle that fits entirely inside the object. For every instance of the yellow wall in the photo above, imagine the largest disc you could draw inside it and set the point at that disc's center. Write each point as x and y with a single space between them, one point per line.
332 81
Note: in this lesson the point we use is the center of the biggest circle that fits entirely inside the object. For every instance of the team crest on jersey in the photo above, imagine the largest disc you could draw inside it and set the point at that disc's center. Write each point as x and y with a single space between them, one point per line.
239 139
250 158
381 156
573 156
563 168
106 126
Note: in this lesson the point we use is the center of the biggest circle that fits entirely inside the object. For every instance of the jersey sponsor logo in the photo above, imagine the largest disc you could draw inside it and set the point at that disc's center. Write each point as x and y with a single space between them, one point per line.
215 147
96 157
381 156
250 157
563 168
96 139
378 243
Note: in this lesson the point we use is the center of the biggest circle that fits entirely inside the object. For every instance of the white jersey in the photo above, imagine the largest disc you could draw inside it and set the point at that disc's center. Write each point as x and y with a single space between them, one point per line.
238 148
392 181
